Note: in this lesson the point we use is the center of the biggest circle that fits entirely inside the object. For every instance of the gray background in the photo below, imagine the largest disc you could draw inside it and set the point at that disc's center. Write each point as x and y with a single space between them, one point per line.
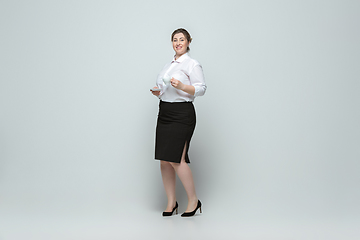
275 154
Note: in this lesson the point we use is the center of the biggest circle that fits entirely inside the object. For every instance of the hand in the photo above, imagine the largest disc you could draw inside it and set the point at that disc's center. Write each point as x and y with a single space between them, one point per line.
155 93
176 84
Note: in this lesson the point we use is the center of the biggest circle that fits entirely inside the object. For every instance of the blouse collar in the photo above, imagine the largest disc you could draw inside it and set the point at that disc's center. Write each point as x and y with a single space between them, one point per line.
181 58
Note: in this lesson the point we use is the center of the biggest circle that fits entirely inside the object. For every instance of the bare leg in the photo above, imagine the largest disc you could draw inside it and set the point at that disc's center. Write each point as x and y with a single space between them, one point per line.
169 180
184 172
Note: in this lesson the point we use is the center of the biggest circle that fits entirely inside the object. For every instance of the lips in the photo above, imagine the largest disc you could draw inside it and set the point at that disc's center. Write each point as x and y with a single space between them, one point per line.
178 47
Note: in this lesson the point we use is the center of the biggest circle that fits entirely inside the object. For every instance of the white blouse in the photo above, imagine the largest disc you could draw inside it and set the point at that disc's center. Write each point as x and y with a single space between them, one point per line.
186 70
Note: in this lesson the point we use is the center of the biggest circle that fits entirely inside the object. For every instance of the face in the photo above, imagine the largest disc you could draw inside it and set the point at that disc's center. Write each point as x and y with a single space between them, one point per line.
180 44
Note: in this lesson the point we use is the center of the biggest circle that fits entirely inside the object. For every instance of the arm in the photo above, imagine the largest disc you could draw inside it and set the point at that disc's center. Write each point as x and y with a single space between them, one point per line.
181 86
197 79
197 87
159 84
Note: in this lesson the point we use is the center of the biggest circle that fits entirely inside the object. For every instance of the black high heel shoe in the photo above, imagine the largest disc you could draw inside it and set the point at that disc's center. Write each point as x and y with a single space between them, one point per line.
166 214
190 214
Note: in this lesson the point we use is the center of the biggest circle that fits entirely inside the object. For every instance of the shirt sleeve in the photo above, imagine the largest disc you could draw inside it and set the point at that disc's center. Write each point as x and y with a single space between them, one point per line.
160 84
198 81
159 81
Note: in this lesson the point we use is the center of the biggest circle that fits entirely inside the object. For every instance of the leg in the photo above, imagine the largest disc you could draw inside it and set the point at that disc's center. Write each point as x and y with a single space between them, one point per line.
169 180
184 172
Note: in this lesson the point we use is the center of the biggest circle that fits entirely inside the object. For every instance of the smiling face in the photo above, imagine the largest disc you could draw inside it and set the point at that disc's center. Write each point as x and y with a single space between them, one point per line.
180 44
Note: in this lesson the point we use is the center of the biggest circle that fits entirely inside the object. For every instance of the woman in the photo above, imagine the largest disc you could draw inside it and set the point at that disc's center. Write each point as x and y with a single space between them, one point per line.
177 85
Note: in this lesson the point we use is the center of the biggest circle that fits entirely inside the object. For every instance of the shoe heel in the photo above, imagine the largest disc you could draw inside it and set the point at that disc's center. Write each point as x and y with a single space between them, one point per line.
190 214
176 210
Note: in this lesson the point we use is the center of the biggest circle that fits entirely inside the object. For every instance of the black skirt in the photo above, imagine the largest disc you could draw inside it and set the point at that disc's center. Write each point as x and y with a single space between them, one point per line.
175 127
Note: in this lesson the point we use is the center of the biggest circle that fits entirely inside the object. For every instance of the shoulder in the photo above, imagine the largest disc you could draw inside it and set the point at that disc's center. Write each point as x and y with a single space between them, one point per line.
191 61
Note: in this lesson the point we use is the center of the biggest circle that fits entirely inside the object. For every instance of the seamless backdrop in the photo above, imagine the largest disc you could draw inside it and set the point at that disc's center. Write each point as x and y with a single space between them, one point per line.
277 137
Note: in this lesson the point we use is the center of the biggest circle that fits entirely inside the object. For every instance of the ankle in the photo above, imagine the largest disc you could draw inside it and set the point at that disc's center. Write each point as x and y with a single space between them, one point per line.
193 200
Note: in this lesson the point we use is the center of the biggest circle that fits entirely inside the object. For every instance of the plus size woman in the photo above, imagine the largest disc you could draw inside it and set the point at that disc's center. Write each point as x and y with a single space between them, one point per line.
177 85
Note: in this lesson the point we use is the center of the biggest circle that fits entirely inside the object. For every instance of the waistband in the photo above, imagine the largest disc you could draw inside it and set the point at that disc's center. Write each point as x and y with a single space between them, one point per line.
163 102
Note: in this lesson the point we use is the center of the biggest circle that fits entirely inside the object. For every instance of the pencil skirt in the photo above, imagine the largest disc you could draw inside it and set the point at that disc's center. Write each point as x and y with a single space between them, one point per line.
175 127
